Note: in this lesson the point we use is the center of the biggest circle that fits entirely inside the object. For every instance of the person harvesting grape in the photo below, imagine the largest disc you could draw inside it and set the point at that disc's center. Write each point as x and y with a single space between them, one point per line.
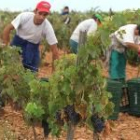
126 37
30 28
89 25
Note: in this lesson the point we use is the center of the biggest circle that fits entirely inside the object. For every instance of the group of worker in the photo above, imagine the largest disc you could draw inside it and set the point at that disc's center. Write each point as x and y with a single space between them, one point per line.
31 27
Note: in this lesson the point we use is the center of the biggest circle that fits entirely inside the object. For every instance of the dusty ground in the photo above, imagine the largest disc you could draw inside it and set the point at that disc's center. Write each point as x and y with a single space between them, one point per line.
12 126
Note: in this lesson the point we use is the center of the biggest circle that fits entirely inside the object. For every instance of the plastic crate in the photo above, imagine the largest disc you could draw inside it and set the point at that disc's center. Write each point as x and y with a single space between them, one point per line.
134 96
115 87
124 104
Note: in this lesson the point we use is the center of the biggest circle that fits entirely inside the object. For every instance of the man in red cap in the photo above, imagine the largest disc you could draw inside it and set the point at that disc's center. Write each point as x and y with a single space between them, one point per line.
30 28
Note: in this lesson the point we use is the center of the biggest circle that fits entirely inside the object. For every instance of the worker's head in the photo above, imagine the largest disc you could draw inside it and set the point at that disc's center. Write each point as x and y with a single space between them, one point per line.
137 30
41 11
65 10
98 18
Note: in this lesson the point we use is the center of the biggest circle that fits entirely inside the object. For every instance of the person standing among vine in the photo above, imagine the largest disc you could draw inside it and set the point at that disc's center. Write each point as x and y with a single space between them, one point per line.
126 37
65 15
30 28
89 26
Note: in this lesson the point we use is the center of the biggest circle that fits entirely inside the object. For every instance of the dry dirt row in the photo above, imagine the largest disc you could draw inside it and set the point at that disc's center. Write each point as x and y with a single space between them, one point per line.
12 127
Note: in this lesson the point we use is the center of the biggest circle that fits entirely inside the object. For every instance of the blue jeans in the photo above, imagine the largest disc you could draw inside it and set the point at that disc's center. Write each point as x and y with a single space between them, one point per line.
73 46
30 53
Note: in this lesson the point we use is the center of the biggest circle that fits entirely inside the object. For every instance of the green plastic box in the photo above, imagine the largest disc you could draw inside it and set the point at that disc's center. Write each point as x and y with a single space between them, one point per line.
134 96
115 87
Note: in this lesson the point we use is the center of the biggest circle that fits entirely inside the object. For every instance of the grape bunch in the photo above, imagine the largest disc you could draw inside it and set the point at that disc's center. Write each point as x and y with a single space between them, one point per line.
73 116
58 118
98 123
46 128
1 102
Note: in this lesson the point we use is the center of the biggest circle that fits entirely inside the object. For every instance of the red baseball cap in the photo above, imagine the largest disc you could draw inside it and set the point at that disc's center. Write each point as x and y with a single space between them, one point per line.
43 6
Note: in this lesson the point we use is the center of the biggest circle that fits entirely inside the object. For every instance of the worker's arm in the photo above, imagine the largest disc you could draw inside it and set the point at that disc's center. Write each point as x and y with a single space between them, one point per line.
54 49
55 54
133 46
6 34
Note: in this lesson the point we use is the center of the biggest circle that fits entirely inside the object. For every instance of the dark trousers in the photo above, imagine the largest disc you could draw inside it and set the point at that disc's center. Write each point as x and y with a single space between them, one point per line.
30 53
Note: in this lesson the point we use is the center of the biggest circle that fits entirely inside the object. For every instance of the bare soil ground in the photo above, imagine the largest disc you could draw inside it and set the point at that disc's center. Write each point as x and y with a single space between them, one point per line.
12 126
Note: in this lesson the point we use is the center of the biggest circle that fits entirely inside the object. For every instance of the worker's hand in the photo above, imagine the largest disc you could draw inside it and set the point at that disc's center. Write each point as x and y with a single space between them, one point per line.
55 56
55 53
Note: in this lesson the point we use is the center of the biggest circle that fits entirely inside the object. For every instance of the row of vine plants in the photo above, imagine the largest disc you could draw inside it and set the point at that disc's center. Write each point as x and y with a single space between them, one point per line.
74 94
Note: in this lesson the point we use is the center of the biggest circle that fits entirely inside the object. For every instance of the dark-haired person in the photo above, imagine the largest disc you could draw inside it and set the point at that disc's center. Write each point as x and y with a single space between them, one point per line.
65 10
126 37
30 28
65 15
89 25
